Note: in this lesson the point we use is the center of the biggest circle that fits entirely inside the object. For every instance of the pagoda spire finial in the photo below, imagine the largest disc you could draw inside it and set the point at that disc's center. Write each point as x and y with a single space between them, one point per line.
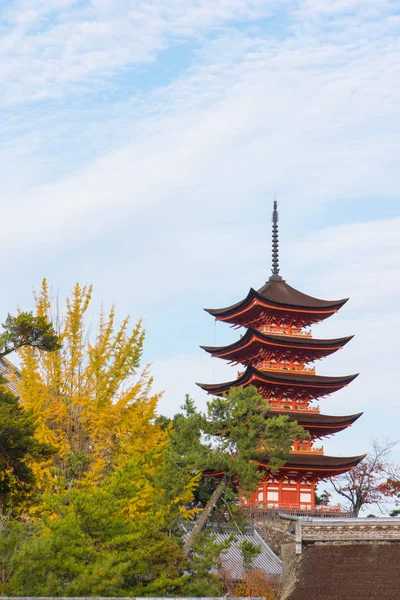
275 244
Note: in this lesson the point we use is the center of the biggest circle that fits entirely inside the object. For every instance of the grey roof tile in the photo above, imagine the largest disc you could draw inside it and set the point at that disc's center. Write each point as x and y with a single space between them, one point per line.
232 559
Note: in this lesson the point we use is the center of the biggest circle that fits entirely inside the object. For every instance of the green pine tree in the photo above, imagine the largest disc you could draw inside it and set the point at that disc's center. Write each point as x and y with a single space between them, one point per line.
27 329
235 435
18 447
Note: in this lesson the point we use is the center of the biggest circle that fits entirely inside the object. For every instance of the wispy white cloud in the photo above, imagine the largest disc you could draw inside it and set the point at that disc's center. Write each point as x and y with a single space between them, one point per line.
362 258
310 120
57 47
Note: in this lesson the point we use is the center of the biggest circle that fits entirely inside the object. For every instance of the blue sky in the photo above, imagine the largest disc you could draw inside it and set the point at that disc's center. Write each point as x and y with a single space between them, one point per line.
143 144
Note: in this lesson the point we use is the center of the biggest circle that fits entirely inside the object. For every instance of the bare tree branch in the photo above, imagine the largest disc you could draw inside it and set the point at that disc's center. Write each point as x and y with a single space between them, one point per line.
365 484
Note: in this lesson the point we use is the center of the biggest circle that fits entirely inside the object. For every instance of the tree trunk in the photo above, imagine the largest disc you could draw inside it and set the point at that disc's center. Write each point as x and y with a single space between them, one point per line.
202 520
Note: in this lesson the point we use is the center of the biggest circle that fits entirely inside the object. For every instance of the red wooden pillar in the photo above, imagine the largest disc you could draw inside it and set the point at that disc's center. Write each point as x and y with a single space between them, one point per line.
280 492
313 486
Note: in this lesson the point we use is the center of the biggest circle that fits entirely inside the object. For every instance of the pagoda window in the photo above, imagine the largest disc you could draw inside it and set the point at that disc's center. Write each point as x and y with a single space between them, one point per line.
274 496
305 497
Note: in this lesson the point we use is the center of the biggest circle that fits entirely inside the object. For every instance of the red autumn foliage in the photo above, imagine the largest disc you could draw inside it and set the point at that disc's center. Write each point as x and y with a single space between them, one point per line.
256 583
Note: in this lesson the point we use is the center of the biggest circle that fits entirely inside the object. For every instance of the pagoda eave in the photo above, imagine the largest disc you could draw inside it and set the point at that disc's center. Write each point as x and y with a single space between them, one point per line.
298 384
313 464
255 343
318 425
307 466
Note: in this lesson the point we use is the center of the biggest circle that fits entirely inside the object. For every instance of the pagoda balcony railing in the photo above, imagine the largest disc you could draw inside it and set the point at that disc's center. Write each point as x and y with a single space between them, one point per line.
307 450
275 366
285 407
319 508
292 331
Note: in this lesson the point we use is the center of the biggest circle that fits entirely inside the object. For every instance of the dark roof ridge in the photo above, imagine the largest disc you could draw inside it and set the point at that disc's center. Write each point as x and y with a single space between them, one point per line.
278 289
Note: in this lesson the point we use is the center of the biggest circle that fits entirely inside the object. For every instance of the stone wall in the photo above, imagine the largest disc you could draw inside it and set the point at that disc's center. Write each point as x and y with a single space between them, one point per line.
275 532
369 571
335 559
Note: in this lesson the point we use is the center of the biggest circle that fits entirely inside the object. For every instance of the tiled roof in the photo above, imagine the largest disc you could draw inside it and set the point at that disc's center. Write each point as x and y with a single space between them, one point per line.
12 374
232 559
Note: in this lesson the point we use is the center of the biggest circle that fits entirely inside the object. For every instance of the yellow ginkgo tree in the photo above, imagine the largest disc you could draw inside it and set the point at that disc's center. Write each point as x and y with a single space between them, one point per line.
90 400
113 489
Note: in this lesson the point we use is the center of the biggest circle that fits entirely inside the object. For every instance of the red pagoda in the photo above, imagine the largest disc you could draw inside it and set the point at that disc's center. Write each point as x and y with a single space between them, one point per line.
276 351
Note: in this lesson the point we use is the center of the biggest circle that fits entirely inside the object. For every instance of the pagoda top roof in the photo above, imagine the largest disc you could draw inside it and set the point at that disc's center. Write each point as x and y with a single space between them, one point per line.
277 293
276 380
306 342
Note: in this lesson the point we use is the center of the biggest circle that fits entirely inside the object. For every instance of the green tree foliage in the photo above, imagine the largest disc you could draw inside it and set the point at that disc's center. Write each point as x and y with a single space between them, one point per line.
14 534
249 551
27 330
89 545
203 566
235 439
18 448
